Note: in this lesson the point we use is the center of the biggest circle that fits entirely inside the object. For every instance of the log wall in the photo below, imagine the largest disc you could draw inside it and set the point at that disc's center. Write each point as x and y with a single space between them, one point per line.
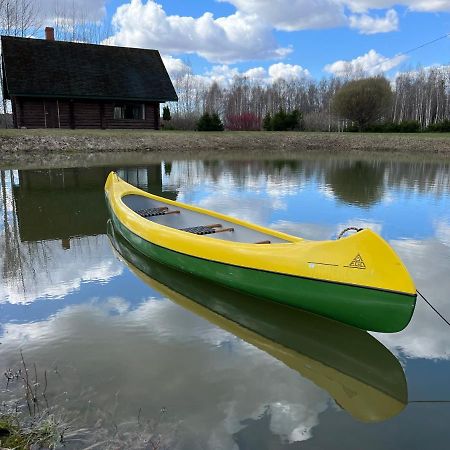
31 113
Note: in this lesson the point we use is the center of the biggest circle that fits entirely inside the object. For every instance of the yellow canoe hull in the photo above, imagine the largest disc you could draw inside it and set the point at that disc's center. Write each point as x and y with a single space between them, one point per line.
358 279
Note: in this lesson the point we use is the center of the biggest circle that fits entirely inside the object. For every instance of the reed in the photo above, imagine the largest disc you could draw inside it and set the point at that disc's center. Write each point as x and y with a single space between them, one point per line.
32 421
29 422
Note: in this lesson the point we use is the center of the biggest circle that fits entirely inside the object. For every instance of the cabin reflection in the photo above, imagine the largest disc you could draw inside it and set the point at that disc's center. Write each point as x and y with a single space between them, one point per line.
60 204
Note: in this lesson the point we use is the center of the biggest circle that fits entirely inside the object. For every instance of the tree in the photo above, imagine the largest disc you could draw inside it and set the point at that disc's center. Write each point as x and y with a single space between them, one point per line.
267 122
294 120
166 113
19 17
209 122
283 121
75 24
363 101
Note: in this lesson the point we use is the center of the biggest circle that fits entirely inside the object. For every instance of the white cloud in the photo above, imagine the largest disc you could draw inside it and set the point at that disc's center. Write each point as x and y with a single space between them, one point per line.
292 15
371 25
372 63
227 39
429 5
287 71
224 74
175 65
361 6
256 73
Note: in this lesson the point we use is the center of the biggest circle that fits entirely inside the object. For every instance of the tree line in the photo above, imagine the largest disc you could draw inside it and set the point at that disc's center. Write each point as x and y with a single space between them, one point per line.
415 100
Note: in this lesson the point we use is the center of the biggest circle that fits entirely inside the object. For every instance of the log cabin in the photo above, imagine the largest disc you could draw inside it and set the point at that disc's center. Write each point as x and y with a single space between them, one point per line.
56 84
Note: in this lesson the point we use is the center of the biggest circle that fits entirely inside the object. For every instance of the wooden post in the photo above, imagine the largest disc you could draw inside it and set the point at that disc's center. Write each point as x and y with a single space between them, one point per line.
59 117
72 114
16 113
156 116
45 113
21 115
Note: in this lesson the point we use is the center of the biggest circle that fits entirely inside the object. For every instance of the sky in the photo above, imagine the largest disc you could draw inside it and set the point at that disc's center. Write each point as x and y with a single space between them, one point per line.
270 39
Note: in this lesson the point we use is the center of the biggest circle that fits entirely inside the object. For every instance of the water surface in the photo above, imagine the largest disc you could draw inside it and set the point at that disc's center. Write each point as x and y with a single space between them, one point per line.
136 351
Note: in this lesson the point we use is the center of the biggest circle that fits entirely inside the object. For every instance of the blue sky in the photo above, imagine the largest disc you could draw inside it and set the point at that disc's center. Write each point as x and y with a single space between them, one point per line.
280 38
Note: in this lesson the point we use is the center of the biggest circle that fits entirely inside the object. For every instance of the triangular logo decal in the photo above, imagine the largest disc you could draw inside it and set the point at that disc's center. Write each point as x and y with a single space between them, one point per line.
357 263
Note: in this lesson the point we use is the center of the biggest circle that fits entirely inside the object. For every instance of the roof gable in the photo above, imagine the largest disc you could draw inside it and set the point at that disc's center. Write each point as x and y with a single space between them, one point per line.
36 67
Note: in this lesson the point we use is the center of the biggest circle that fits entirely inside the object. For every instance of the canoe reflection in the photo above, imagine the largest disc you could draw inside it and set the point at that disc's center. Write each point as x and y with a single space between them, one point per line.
362 376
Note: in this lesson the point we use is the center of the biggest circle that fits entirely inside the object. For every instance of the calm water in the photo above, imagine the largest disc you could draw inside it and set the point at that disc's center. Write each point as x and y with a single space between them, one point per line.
137 354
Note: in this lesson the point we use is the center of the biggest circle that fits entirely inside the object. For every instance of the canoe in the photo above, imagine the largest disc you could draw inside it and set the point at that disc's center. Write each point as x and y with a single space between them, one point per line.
362 375
358 280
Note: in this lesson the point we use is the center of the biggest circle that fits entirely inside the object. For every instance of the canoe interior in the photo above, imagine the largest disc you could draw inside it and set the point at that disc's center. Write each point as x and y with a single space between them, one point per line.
187 218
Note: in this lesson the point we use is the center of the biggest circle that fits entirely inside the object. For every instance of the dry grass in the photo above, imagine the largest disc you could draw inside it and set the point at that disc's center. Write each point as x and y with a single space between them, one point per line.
64 148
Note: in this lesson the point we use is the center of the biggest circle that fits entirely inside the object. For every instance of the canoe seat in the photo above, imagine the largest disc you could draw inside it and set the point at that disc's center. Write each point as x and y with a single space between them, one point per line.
206 229
149 212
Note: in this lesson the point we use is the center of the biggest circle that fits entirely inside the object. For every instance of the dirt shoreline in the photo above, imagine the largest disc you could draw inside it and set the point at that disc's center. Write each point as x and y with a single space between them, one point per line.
51 148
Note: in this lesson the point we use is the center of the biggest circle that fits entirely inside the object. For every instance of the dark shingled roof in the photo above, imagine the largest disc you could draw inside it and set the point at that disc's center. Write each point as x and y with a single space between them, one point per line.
36 67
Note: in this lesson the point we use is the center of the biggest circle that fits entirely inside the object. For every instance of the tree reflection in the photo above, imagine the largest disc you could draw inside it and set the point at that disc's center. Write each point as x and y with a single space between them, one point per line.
356 183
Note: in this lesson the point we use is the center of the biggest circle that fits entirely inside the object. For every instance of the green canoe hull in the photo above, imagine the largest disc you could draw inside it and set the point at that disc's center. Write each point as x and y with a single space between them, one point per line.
365 308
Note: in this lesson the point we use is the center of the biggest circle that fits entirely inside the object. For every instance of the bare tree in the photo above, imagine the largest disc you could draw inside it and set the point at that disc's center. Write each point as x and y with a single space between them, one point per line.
18 18
76 25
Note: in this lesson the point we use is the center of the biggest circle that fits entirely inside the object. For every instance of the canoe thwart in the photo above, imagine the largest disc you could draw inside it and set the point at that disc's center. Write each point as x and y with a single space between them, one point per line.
262 242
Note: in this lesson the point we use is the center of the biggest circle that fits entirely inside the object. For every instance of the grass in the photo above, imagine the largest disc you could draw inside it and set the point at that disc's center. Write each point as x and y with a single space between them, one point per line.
29 422
43 431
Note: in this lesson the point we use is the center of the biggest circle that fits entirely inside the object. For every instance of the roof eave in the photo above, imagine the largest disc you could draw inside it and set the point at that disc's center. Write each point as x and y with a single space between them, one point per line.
89 97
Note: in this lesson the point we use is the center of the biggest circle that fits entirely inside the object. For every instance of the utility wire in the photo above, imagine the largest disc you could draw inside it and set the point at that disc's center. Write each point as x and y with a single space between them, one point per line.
412 50
435 310
425 44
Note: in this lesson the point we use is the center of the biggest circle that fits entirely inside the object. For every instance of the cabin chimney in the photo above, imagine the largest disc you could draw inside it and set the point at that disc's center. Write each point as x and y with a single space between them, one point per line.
49 33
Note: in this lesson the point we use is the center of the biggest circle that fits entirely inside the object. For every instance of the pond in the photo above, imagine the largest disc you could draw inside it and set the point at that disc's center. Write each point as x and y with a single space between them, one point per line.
136 355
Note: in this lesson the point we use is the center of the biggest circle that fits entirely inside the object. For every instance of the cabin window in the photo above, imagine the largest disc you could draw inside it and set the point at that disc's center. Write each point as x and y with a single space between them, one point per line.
129 111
